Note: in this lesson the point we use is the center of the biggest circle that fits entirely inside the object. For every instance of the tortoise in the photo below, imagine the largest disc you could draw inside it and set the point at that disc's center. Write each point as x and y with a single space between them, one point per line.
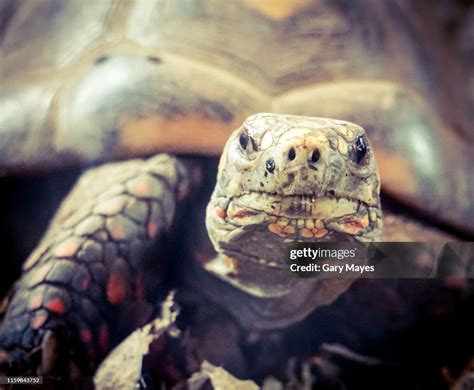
106 258
133 83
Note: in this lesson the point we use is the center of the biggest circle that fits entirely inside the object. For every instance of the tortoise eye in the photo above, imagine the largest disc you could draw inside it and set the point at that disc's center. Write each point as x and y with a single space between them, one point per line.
244 139
359 150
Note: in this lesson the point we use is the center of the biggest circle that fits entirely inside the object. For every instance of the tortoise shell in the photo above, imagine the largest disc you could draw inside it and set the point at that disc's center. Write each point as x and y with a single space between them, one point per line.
88 81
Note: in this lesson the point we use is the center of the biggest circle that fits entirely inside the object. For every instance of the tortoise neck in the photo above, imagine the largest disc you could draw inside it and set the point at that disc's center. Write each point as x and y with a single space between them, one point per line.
262 313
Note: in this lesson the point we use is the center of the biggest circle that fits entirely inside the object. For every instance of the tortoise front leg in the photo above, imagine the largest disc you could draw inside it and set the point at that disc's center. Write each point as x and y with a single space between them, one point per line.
91 279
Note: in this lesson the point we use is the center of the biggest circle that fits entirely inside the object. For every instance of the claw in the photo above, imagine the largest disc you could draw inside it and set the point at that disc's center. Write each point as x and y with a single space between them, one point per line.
55 364
49 353
346 353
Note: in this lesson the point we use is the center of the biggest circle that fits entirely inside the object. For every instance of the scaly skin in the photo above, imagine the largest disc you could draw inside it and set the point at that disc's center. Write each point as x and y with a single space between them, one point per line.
91 273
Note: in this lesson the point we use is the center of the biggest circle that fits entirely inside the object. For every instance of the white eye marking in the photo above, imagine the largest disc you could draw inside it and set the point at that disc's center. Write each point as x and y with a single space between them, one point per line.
267 141
342 147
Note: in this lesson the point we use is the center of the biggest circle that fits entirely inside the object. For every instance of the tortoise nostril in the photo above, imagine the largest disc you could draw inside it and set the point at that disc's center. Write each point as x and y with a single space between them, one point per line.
315 155
101 60
270 165
291 154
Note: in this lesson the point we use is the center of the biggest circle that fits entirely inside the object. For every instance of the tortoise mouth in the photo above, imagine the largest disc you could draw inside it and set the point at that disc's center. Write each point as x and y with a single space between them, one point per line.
327 205
258 223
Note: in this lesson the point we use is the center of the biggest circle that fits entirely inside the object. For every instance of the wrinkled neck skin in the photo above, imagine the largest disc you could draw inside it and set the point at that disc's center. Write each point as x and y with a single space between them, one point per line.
287 179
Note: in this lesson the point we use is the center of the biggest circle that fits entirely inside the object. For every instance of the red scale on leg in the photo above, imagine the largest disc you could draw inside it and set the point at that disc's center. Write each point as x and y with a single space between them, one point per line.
56 306
116 288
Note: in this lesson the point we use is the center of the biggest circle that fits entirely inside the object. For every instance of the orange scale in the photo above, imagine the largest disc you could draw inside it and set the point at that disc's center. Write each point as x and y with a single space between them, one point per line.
275 228
220 212
117 231
352 227
318 233
152 229
38 320
288 229
306 233
140 187
67 248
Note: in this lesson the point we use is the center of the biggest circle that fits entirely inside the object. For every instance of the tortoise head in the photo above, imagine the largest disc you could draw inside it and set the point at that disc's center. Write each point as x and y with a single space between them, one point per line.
285 179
